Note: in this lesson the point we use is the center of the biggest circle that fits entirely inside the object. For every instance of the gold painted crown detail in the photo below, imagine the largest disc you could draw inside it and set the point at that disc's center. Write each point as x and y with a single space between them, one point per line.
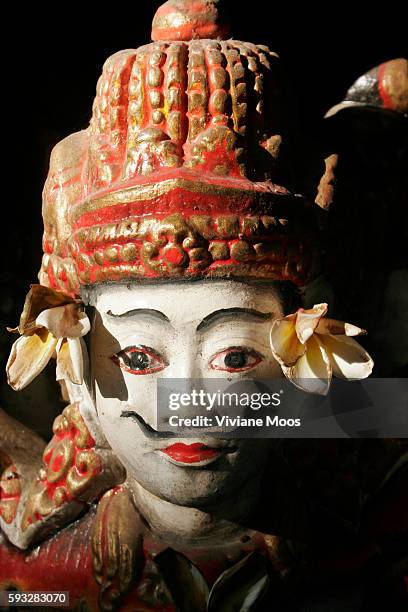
186 128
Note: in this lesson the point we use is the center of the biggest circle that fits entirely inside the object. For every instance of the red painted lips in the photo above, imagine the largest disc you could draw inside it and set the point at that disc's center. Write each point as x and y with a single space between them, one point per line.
190 453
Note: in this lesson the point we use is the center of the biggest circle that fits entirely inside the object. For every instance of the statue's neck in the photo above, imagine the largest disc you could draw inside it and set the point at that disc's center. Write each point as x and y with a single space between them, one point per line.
193 526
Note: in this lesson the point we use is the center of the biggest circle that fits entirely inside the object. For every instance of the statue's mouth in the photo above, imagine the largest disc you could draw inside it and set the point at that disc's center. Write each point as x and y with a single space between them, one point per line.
195 454
191 454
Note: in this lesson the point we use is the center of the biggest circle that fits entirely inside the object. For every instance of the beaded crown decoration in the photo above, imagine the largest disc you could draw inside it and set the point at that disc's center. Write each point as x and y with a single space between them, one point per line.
179 173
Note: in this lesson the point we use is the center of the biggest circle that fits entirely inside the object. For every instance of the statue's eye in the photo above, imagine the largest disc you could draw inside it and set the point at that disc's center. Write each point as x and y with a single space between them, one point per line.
139 360
236 359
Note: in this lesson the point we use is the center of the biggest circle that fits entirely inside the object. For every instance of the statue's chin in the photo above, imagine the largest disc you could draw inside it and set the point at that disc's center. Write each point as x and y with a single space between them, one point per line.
225 480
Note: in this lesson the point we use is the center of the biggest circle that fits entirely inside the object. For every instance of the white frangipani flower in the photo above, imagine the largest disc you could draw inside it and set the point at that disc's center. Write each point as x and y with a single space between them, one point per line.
311 349
51 323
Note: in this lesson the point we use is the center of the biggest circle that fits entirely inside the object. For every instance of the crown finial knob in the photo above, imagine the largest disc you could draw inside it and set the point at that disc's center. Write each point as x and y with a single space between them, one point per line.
189 19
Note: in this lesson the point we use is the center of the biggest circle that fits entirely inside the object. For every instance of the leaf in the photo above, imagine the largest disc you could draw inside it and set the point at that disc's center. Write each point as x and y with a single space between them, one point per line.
184 581
241 587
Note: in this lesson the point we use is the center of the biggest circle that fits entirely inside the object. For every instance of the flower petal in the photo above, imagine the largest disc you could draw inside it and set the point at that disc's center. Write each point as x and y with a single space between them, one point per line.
29 356
307 320
333 327
312 372
65 321
285 345
39 298
69 361
348 358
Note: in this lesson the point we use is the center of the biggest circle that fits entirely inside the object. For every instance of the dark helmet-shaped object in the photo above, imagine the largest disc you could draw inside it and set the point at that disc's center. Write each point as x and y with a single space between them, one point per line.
383 88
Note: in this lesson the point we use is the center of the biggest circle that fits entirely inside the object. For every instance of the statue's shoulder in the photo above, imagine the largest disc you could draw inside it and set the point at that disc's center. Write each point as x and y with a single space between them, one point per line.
45 487
68 553
101 559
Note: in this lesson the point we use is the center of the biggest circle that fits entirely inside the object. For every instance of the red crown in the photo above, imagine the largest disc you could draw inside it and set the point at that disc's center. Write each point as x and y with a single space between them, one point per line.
177 175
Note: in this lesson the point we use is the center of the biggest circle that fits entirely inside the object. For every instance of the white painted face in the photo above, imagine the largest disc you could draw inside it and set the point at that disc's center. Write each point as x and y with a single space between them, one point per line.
179 330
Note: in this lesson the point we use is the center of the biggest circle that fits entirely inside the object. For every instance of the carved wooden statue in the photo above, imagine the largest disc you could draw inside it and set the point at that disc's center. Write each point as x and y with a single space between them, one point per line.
174 247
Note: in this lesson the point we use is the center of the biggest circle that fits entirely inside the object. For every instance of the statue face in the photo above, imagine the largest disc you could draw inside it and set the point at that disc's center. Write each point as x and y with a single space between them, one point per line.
179 330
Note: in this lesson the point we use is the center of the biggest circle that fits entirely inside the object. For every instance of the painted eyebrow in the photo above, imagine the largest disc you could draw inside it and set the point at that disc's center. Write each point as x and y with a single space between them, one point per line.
229 313
149 312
